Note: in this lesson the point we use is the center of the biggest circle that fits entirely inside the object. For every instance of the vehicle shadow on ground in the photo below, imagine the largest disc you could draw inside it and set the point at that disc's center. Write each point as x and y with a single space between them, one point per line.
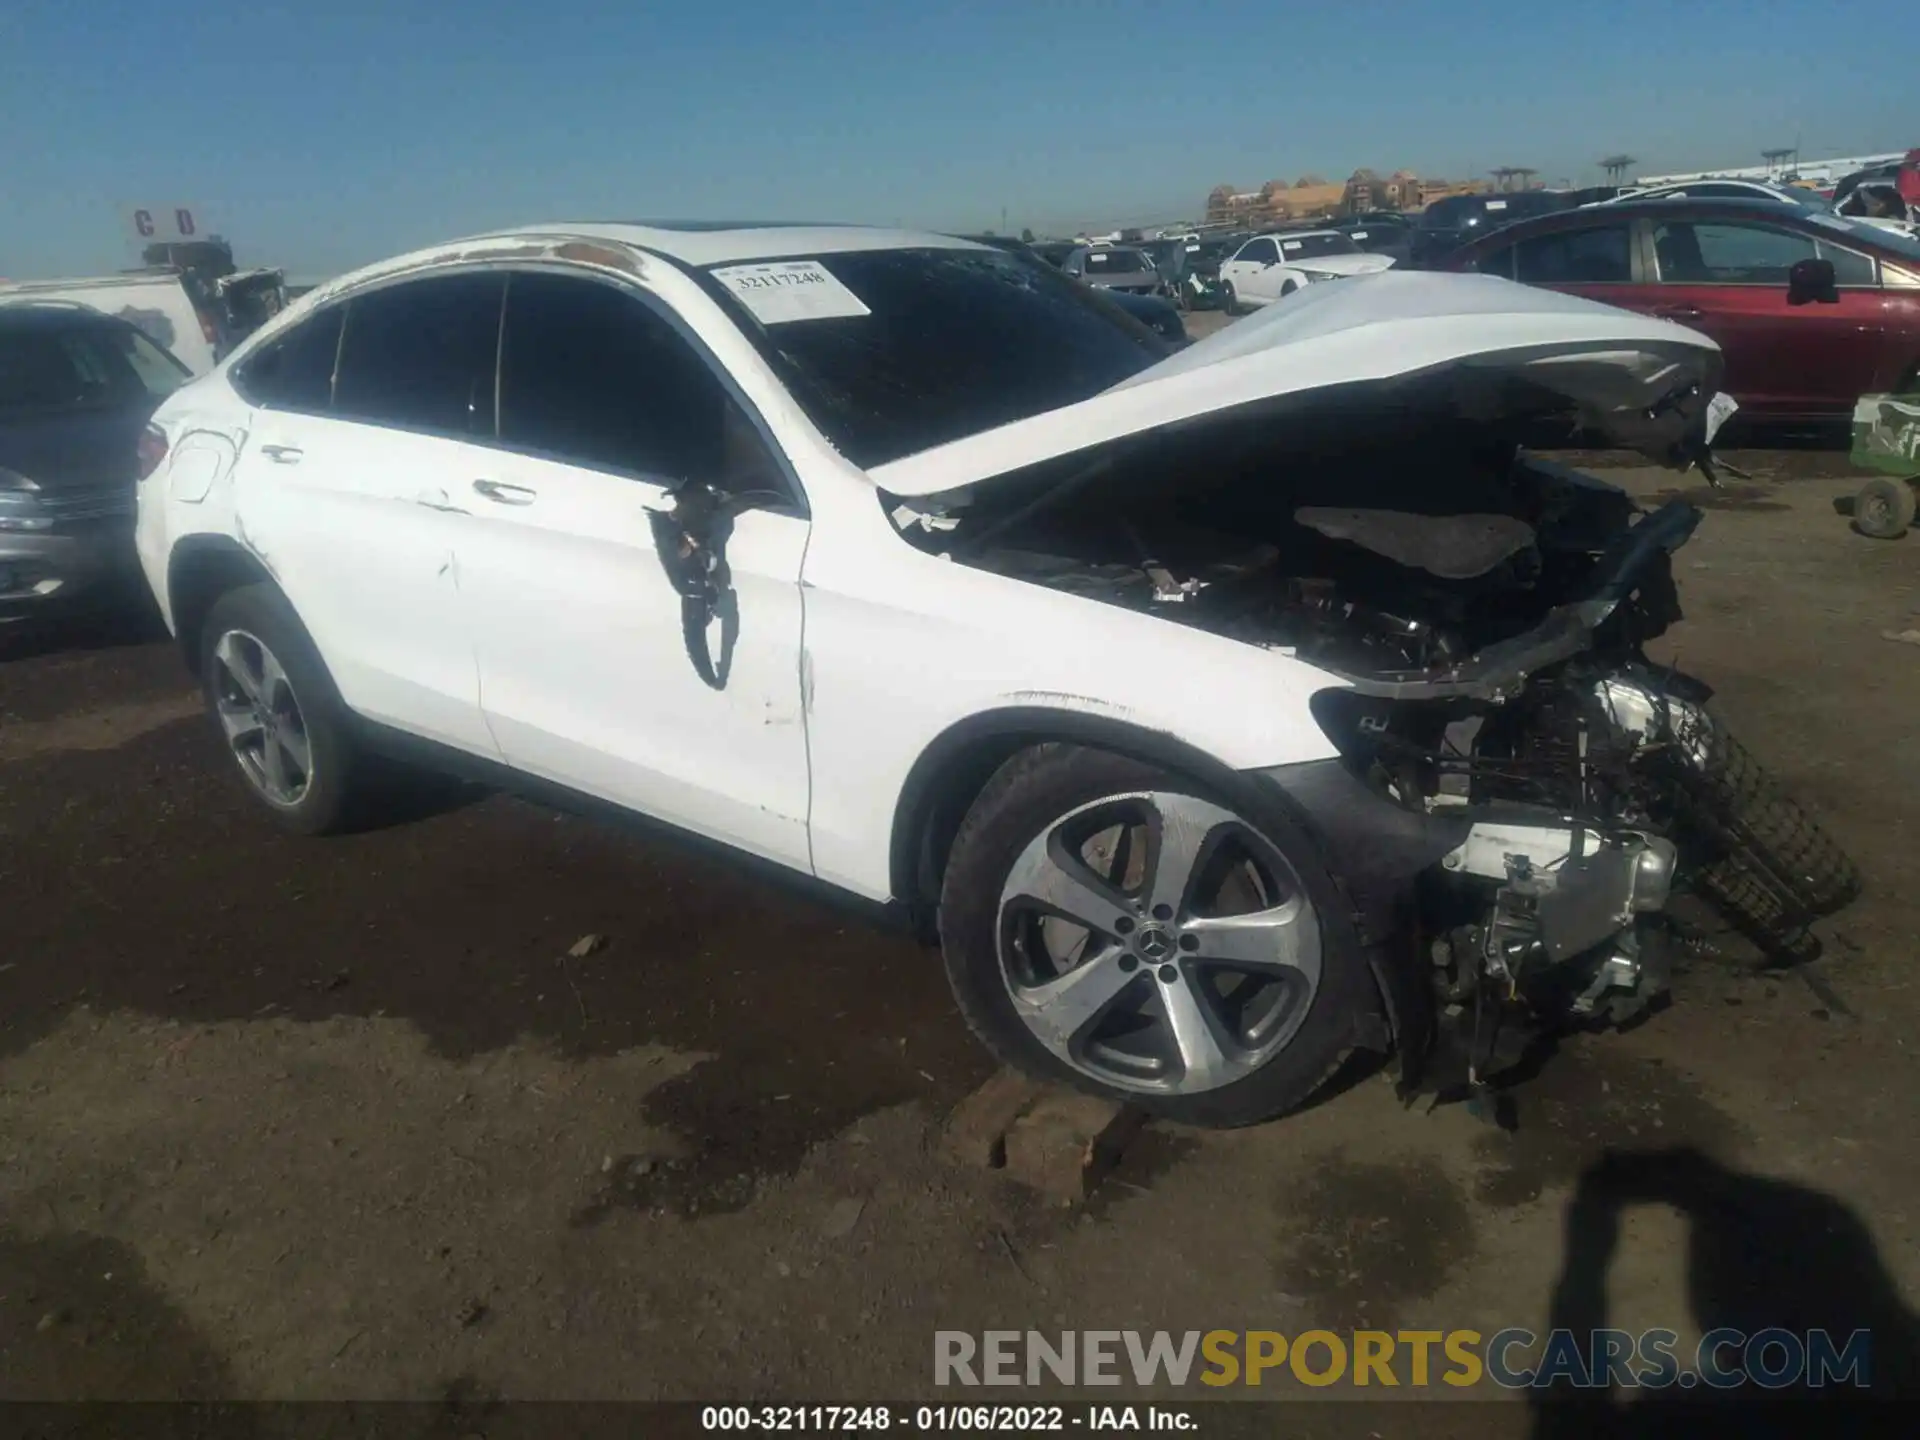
132 622
1761 1254
81 1318
164 893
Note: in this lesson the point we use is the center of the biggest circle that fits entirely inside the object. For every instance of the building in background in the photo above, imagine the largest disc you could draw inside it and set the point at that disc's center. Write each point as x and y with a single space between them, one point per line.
1313 197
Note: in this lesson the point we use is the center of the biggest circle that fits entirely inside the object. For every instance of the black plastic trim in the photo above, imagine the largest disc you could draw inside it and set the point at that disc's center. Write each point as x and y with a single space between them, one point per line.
404 748
1375 846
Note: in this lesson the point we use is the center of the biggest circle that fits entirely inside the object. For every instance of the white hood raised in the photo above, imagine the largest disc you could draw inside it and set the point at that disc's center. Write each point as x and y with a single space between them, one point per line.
1612 363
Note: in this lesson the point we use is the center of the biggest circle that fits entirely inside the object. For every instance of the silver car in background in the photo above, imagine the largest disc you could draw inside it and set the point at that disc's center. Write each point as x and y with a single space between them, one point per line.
1114 267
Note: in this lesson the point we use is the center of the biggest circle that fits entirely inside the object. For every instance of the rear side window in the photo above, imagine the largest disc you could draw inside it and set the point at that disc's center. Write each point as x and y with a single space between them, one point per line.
295 371
160 374
1259 252
1850 267
596 377
49 369
1597 255
1495 262
421 355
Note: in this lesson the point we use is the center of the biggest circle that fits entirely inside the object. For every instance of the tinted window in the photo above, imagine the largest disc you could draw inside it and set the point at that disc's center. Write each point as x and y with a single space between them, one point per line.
1495 262
593 375
1849 266
1598 255
295 371
50 368
1116 262
1693 253
1903 245
953 342
420 355
1259 252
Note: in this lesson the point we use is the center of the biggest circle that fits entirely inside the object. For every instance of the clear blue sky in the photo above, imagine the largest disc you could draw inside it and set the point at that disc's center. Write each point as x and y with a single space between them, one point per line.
320 135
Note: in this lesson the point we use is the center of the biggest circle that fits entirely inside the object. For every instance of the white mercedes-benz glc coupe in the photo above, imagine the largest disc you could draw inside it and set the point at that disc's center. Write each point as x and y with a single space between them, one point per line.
1166 690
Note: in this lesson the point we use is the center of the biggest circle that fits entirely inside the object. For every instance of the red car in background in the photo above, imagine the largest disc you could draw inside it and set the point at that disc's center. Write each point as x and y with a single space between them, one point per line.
1811 310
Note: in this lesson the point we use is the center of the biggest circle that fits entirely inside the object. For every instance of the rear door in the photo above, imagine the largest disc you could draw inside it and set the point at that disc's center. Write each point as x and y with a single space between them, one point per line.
1728 279
1594 259
369 416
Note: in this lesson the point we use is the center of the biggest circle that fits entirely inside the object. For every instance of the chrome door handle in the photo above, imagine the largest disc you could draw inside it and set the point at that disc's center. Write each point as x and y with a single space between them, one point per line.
1680 312
504 494
282 454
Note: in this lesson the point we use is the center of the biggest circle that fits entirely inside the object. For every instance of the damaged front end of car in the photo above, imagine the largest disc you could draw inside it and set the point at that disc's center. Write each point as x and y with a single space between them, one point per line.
1518 790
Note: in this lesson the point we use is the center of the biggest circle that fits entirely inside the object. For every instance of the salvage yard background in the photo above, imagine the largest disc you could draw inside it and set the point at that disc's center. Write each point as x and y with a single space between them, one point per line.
285 1118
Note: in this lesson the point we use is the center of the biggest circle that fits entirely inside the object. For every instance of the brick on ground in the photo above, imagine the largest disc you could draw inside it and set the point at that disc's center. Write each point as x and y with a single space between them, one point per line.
1048 1138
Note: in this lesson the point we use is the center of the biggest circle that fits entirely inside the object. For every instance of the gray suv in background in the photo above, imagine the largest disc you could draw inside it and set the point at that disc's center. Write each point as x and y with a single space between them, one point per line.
76 390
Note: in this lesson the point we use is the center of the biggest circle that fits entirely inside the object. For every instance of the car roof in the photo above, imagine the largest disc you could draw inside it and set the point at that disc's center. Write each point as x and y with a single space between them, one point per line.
36 314
693 243
1727 207
1295 234
698 242
1702 204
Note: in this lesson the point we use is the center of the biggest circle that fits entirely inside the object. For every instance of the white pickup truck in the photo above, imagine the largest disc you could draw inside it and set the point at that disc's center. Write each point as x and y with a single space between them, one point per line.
154 301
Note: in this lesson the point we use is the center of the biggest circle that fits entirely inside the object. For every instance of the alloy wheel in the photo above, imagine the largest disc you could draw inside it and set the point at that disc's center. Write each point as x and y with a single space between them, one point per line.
1156 942
261 717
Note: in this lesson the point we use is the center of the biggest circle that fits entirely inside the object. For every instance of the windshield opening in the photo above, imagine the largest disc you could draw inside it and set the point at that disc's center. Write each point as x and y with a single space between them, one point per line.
942 343
1115 262
1306 247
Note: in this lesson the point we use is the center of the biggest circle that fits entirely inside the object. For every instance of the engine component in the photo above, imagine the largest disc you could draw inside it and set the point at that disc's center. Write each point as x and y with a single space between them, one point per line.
1558 895
1452 547
1640 707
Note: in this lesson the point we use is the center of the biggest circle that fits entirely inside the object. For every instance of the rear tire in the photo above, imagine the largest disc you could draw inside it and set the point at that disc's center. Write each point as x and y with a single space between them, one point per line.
279 715
1229 300
1273 1019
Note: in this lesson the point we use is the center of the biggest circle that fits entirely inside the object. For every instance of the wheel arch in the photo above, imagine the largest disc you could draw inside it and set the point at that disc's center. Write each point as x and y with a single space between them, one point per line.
953 769
200 570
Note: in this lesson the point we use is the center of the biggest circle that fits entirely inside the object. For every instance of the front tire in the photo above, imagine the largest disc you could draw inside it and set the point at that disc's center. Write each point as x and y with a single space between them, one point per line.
283 723
1112 926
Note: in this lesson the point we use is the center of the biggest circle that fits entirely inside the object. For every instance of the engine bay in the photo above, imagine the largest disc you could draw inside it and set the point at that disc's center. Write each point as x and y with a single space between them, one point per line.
1364 563
1475 599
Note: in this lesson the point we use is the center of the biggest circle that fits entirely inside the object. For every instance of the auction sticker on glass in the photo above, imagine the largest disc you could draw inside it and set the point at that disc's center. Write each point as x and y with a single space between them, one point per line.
782 291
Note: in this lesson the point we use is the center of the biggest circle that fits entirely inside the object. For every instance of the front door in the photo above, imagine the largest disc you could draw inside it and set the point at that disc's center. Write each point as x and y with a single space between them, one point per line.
1728 279
1254 272
589 674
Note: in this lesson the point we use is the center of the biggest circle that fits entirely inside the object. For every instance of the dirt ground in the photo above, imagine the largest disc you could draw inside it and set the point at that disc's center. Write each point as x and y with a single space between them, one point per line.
327 1119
